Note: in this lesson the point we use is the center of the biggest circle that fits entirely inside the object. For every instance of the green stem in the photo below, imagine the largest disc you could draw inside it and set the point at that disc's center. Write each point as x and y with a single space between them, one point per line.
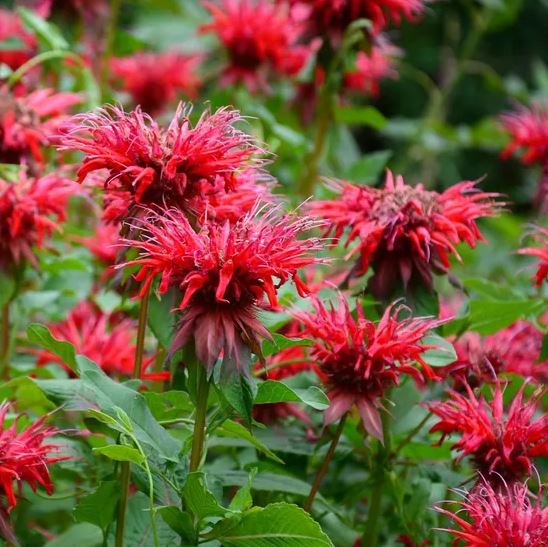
372 527
412 433
125 467
198 437
325 465
5 347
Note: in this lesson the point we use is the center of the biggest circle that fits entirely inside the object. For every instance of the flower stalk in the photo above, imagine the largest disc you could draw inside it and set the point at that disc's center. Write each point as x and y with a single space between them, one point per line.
198 436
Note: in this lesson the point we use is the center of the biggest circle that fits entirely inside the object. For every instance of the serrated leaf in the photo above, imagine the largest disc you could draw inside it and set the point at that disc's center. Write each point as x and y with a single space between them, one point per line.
47 32
442 354
199 500
277 525
41 336
273 391
120 453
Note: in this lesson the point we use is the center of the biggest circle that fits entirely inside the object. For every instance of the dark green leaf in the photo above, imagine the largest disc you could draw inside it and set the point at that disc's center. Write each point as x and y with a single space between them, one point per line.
369 167
98 508
161 319
239 391
272 391
7 287
366 115
199 500
242 500
41 336
280 342
180 522
47 32
83 535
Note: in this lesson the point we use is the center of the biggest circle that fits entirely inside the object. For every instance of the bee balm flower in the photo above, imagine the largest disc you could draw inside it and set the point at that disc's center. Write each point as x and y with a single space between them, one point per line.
541 253
404 231
225 272
360 360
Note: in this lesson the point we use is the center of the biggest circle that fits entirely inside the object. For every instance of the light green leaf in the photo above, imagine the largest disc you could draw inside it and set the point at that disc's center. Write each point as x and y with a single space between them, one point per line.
120 453
242 501
280 342
48 33
98 508
199 500
369 167
366 115
180 522
83 535
272 391
442 354
41 336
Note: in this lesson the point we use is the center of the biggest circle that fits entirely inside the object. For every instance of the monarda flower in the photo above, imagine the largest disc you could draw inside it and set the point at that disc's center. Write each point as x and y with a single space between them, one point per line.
30 210
225 273
153 80
24 457
260 37
501 446
332 17
28 121
541 253
372 67
514 349
169 167
11 28
404 231
502 517
105 338
361 360
528 130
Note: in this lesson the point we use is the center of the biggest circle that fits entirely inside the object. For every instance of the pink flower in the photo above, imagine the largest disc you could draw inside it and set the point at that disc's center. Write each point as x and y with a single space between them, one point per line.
28 121
10 28
504 517
24 456
372 67
155 79
541 253
261 38
502 446
169 167
103 244
30 210
360 360
225 272
404 231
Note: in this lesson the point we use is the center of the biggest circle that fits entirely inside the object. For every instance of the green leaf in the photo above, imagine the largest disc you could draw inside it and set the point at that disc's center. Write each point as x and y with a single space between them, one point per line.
169 405
48 33
239 391
272 391
98 508
242 501
354 115
83 535
199 500
161 319
369 167
544 349
277 525
235 430
180 522
442 354
280 342
7 288
41 336
120 453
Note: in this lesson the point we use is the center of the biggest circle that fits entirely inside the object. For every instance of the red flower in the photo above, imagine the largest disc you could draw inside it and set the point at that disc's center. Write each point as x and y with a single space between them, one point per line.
405 231
24 457
501 446
260 37
540 252
360 360
168 167
332 17
30 210
103 244
28 121
10 28
224 272
155 79
501 518
372 67
515 349
106 339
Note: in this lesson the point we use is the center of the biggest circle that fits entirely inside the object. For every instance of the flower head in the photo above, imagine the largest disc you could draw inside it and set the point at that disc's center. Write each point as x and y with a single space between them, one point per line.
28 121
106 339
404 231
332 17
502 446
24 456
501 517
155 79
260 37
103 244
30 210
360 360
541 253
224 272
372 67
11 27
170 167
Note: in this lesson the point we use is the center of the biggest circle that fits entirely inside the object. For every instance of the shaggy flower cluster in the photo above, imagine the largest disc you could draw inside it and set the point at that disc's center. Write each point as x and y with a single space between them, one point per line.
502 446
224 272
260 38
28 121
168 167
404 231
541 253
12 28
30 210
359 360
155 79
24 457
501 517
